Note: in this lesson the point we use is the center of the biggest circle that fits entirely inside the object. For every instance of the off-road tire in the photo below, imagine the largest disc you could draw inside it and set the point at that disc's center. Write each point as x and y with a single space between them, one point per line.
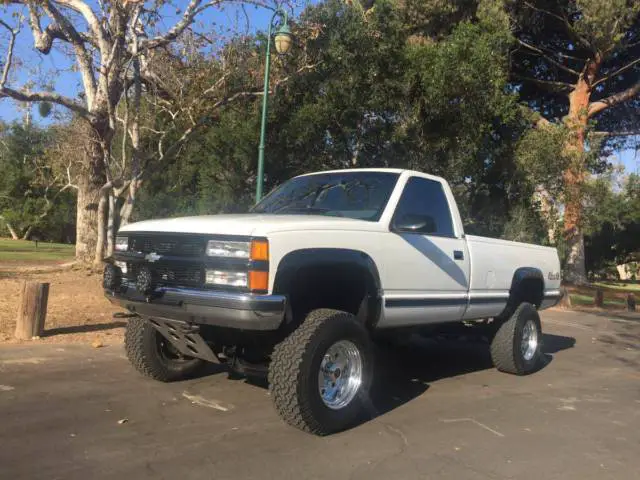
143 349
295 365
506 352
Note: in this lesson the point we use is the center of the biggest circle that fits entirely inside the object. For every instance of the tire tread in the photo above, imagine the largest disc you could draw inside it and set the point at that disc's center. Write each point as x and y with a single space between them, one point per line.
286 372
503 350
140 350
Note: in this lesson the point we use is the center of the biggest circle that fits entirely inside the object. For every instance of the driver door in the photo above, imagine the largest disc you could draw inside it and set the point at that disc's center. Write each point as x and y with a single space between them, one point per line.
428 276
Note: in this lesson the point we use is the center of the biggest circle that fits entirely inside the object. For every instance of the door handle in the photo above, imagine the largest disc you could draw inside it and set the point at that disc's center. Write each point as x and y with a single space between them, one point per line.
458 255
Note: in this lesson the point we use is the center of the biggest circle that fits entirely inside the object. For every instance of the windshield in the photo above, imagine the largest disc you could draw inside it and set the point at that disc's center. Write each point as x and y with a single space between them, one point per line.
358 195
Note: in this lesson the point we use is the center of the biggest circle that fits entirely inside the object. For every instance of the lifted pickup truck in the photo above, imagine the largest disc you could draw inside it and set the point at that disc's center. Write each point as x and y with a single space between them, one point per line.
301 287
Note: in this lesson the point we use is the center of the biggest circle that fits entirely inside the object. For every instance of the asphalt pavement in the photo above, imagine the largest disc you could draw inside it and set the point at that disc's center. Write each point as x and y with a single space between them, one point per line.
439 411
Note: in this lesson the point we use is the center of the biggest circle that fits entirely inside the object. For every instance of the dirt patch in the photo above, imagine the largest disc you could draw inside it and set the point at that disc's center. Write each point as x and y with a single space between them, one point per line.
77 311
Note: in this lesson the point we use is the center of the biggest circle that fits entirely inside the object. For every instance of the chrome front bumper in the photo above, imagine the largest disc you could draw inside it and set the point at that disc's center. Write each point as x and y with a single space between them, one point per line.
205 307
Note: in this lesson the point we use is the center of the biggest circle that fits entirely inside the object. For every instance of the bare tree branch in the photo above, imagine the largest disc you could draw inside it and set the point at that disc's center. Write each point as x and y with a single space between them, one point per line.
630 45
91 19
547 57
12 42
187 18
620 97
83 57
632 133
69 182
548 84
43 39
26 96
193 8
566 23
617 72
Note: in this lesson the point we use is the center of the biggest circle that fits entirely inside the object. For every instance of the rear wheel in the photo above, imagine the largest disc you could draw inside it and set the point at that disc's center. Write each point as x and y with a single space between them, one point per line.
320 375
154 356
516 346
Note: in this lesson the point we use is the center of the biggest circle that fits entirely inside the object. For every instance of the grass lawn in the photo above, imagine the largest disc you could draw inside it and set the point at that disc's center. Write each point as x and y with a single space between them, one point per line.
20 251
614 294
620 286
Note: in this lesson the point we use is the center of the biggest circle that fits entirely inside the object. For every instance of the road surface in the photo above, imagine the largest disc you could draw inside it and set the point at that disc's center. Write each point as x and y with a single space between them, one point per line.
440 411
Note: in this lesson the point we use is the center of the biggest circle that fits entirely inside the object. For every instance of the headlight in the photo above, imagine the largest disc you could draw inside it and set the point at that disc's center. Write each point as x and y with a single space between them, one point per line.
219 248
228 279
122 244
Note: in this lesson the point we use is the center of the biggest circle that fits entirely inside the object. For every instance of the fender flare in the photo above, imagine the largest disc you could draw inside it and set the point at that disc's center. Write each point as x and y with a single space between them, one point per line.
520 277
294 261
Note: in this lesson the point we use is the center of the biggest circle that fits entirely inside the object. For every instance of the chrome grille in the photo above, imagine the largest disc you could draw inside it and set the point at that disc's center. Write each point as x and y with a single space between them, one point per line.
163 275
167 245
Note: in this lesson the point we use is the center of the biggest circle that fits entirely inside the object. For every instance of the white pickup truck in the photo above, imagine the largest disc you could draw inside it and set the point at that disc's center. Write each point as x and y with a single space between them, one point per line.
300 288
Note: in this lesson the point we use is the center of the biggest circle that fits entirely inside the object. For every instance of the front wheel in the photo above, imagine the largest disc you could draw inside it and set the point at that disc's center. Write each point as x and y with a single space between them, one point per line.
154 356
516 346
320 375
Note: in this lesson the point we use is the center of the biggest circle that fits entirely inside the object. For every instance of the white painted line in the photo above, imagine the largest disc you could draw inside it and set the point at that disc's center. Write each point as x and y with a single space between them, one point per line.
203 402
399 433
474 421
6 388
24 361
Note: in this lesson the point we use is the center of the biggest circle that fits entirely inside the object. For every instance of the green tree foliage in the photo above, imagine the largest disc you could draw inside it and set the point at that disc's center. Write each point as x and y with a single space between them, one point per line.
576 63
431 85
31 202
612 225
420 85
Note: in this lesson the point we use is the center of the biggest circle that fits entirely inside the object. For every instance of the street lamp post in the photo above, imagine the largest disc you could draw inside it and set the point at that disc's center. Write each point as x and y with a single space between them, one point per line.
283 40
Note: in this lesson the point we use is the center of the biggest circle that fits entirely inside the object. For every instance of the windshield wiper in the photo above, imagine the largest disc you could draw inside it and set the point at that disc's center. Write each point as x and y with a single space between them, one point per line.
292 209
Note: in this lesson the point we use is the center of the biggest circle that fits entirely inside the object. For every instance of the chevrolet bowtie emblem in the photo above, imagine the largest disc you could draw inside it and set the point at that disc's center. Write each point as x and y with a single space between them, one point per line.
152 257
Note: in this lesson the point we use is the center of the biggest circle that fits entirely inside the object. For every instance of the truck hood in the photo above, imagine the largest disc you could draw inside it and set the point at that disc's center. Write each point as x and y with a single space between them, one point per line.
248 224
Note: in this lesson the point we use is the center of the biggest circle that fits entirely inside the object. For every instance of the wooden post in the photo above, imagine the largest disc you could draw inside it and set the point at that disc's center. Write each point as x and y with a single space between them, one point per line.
33 310
599 297
631 302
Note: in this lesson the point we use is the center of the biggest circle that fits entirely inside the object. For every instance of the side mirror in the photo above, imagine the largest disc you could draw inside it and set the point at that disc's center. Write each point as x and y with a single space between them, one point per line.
413 223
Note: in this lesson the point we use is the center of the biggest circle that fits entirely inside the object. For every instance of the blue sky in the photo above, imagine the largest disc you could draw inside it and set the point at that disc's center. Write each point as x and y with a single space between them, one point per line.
54 70
631 160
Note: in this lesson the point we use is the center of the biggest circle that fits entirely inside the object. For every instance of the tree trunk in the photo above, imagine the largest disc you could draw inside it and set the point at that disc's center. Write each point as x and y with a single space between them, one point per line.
575 269
12 232
127 208
574 178
101 226
111 224
90 181
27 233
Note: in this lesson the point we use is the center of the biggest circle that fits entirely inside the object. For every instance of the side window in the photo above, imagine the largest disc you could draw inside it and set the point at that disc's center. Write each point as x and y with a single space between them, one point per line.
422 196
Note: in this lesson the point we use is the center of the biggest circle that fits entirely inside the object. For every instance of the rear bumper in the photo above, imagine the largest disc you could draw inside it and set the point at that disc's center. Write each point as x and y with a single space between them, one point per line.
222 309
551 299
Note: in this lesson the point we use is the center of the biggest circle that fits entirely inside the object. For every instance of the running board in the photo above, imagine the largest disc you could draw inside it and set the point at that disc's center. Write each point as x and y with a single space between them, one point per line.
185 337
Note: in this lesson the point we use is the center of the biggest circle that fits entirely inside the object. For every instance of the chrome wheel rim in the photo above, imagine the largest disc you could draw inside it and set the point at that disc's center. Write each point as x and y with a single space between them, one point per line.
529 344
340 374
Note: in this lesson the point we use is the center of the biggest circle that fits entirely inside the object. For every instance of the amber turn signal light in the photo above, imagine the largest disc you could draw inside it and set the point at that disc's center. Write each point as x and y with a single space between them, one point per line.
258 281
260 250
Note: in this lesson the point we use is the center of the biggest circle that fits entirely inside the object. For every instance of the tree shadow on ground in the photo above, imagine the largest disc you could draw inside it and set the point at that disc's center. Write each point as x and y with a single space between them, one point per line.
96 327
405 373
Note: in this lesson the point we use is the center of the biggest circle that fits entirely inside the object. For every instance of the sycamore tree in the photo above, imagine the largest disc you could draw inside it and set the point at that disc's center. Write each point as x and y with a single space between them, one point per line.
113 46
577 65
